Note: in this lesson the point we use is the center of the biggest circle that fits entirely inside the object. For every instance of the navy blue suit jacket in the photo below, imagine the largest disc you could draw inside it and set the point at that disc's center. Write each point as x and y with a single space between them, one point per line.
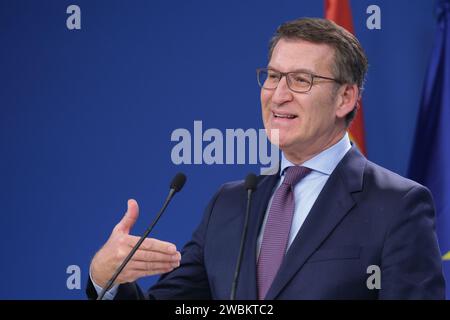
365 215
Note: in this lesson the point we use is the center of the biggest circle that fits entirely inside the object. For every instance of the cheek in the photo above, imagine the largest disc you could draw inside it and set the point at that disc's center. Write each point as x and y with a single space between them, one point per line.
265 99
314 114
321 115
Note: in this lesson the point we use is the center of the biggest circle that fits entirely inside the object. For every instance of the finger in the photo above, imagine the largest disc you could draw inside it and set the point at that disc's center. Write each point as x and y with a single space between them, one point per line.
130 217
153 256
151 244
133 275
151 266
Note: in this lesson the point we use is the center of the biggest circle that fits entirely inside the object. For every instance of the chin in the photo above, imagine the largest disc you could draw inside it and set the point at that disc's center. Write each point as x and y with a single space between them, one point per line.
278 136
290 142
282 143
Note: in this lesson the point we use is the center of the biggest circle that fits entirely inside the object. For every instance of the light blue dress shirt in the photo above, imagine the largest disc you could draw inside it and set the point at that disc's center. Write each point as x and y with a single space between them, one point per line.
305 192
308 189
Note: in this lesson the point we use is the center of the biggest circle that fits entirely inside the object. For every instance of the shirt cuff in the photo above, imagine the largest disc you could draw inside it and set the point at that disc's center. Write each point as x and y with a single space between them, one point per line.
110 294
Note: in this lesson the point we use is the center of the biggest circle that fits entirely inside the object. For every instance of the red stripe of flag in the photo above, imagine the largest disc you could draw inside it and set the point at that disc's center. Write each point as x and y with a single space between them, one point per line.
340 12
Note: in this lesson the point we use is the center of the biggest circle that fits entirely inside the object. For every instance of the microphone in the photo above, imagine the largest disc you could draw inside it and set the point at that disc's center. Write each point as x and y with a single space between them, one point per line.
250 186
175 186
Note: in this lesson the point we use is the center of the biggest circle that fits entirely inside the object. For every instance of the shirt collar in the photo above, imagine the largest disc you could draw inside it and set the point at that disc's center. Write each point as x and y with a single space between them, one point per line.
324 162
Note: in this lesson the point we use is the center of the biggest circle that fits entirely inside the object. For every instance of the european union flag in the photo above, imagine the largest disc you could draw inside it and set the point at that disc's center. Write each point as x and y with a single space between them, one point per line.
430 159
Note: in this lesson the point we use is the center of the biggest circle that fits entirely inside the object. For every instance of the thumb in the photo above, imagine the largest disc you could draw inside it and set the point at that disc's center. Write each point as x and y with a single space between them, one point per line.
130 217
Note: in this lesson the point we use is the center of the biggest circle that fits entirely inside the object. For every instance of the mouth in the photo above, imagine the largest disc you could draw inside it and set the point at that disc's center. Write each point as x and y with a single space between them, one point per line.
287 116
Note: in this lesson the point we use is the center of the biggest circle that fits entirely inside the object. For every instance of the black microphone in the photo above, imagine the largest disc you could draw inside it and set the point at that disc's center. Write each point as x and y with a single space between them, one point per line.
250 186
177 183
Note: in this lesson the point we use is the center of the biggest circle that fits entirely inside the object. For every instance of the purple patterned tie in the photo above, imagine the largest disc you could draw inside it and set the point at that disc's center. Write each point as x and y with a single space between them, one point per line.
277 229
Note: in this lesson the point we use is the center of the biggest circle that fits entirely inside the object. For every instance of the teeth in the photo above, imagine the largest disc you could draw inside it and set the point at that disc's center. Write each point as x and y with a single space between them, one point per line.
287 116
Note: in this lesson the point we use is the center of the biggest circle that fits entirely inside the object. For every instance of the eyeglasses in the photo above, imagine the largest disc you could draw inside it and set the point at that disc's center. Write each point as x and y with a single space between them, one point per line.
297 81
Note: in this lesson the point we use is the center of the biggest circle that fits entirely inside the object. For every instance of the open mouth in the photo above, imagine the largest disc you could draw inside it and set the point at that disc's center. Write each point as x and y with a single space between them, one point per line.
284 116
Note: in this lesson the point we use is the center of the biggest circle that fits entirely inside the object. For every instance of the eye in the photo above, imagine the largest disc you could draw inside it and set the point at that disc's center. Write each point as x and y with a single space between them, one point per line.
273 75
301 79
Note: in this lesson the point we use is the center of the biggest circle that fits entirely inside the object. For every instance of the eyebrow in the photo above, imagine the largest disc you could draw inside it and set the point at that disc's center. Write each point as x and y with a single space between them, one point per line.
295 70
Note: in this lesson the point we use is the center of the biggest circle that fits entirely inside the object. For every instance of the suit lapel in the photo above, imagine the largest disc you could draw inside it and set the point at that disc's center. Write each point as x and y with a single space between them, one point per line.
247 288
331 206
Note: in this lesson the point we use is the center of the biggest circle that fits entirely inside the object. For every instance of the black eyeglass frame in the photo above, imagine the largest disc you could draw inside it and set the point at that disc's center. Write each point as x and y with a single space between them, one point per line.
285 74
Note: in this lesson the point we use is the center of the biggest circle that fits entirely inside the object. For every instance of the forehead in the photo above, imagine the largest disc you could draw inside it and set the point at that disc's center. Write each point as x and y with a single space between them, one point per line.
289 55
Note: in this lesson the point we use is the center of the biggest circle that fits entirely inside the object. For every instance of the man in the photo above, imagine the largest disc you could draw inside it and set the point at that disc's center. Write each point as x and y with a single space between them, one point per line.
319 227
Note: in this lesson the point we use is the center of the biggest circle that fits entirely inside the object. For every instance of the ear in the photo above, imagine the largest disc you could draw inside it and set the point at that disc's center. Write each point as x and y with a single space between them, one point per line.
348 95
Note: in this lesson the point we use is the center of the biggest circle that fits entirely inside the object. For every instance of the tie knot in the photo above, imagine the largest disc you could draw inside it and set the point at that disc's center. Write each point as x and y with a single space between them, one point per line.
294 174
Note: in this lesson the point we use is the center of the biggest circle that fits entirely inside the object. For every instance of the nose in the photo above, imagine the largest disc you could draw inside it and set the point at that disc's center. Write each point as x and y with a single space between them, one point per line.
282 93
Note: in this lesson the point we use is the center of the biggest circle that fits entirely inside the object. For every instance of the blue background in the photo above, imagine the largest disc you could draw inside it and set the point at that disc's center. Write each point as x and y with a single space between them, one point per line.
86 116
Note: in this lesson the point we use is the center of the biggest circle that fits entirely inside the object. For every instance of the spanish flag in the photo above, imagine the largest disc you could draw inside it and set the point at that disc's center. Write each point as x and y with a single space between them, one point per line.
340 12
